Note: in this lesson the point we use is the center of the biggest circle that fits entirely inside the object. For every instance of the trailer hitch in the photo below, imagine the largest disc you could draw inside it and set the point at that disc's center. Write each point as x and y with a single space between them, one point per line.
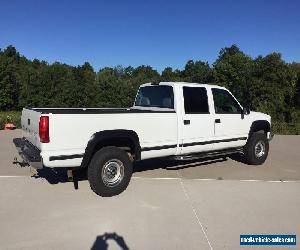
72 177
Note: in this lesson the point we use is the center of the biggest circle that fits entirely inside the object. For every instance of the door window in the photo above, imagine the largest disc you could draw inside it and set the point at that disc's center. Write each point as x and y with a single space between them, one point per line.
224 102
195 100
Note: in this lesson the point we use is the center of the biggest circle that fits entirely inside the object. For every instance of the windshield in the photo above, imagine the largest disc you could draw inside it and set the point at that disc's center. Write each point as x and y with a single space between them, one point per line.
155 96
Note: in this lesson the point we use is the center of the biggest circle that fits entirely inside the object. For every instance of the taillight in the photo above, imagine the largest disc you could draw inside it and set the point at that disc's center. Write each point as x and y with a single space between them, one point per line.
44 129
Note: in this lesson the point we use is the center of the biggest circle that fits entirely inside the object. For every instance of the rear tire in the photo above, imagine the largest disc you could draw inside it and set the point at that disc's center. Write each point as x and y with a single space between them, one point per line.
256 150
110 171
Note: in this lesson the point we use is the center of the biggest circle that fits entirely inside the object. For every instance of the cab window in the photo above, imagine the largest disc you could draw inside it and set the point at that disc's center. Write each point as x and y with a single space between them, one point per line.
195 100
224 102
155 96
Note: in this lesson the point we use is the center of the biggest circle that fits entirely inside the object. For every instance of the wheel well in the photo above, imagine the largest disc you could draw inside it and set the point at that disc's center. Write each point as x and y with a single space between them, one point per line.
260 126
124 139
125 143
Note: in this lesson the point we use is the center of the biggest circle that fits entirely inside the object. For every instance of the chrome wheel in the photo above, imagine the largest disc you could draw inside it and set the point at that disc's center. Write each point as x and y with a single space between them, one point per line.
260 149
112 172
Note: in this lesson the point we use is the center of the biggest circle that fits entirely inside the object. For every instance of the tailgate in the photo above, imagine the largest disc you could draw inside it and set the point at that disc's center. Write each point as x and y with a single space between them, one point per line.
30 126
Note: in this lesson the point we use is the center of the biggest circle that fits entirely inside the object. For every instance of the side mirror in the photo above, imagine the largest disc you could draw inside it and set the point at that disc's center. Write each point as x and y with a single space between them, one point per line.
245 111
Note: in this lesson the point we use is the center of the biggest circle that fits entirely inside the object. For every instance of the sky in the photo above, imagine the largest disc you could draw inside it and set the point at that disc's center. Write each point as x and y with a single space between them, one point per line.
156 33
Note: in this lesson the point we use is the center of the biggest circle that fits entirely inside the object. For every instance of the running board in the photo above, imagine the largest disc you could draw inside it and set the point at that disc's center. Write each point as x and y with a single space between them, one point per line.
208 154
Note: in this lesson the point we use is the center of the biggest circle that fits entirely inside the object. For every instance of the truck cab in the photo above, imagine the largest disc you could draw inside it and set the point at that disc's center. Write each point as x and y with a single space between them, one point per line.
209 117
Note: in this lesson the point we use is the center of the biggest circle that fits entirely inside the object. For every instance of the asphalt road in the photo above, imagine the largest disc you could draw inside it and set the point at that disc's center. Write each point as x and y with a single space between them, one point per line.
168 205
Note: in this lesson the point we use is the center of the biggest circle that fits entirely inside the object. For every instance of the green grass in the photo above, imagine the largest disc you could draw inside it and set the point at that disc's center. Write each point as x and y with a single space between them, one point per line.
282 128
10 116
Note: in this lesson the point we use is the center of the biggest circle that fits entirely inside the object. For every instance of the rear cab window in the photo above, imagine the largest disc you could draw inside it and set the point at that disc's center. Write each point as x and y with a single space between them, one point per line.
155 96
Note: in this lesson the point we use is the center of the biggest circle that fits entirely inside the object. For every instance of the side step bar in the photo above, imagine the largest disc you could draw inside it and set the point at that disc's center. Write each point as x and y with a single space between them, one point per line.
209 154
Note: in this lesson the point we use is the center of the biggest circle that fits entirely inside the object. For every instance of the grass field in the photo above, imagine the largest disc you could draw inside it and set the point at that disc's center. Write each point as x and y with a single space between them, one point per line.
281 128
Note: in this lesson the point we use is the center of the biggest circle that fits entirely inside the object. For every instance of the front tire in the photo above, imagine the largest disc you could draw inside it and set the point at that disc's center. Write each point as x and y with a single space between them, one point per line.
109 171
256 150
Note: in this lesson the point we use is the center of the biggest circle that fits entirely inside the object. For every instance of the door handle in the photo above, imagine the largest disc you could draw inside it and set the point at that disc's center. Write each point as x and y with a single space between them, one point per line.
186 122
217 121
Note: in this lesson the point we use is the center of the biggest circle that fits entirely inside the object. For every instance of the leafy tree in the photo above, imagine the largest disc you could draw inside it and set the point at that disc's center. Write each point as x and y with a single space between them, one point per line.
113 90
84 88
274 86
145 74
9 80
267 83
233 70
198 72
296 67
168 75
30 93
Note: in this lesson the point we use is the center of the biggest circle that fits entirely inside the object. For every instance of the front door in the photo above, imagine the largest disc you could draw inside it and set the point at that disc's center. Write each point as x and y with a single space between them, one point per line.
231 128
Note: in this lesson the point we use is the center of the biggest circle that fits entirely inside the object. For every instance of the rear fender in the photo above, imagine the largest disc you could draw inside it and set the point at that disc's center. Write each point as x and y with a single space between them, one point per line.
107 136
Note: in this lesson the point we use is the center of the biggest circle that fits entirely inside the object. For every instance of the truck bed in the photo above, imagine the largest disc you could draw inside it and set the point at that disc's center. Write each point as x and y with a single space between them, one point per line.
70 130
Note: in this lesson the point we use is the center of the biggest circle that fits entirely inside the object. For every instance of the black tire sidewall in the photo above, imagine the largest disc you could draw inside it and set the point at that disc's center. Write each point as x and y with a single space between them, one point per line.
249 150
95 169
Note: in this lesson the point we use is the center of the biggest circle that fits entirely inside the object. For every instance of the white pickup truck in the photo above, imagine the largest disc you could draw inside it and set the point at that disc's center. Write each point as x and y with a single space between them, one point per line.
168 119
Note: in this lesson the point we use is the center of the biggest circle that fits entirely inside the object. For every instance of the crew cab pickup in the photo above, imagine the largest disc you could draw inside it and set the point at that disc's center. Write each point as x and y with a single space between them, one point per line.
168 119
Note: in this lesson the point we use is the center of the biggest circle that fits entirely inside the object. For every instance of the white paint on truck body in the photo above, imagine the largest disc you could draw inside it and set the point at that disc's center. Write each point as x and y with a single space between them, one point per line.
70 132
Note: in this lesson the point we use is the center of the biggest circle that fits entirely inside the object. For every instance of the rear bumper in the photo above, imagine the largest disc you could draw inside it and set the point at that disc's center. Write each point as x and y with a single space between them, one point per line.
29 153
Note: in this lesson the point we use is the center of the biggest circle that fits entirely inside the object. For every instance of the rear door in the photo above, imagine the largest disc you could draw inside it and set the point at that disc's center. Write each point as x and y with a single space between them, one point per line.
197 122
230 127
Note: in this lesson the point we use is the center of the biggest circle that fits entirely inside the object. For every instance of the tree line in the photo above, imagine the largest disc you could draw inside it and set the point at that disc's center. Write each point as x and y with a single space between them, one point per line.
266 83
